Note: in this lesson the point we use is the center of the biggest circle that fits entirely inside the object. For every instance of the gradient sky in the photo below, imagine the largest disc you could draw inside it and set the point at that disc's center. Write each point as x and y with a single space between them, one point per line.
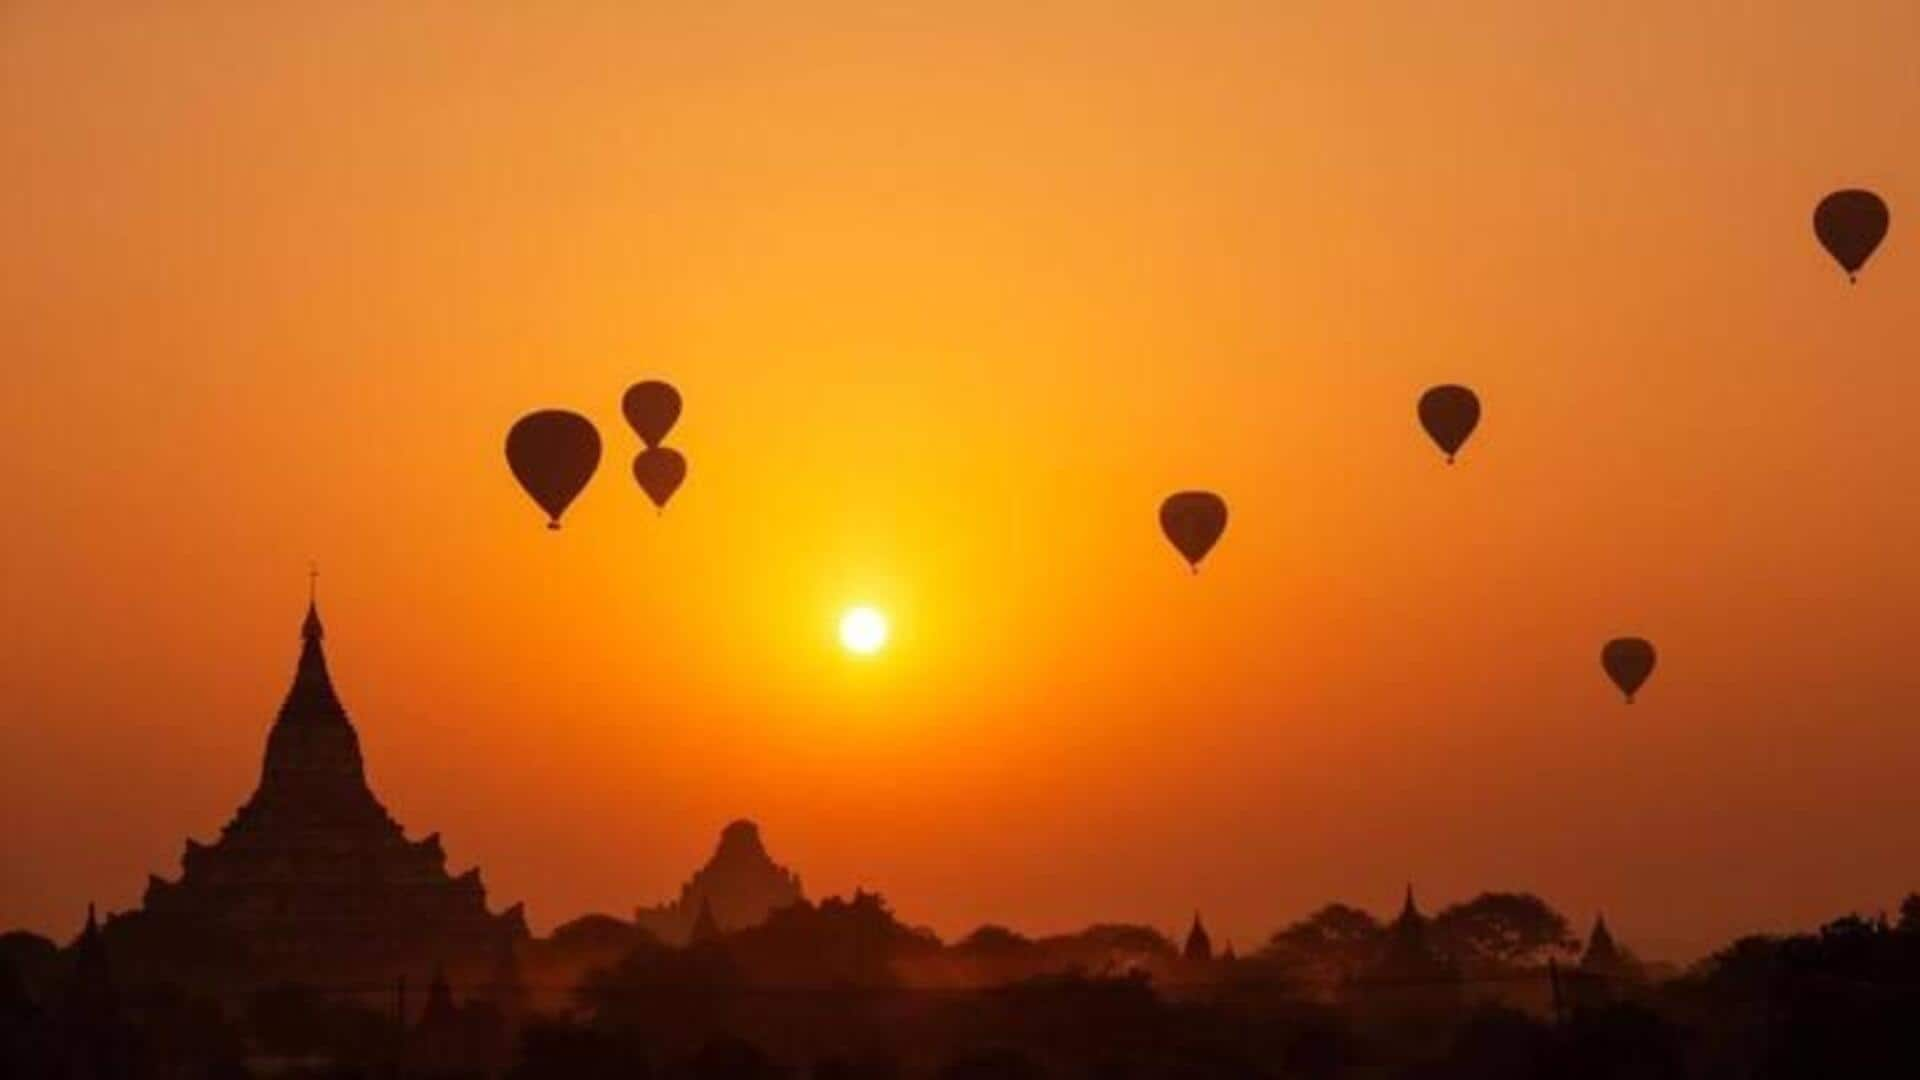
954 299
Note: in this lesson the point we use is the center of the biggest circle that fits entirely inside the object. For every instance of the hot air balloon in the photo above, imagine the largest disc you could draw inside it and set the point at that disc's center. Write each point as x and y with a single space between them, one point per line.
651 407
659 471
553 454
1850 225
1193 521
1628 660
1449 413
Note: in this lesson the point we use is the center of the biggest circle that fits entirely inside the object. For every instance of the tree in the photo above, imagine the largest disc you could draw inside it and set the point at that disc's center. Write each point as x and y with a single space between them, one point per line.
993 939
1335 942
1910 914
1106 949
1503 930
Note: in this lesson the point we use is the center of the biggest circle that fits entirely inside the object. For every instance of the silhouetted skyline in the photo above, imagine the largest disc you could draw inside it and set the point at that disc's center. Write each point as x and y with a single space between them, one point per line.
954 299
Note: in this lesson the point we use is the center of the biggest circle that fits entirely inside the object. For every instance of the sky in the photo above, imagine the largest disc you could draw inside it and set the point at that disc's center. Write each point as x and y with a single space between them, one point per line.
954 298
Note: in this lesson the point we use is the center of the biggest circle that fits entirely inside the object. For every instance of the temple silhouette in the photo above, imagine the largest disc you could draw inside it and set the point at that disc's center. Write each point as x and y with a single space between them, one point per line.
312 881
737 888
1408 955
1199 946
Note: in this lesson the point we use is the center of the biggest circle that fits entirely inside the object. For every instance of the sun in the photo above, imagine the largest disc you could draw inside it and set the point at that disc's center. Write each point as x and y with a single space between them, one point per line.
863 630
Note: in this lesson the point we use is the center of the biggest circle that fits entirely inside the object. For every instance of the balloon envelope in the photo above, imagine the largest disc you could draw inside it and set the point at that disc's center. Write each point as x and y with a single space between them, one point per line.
1850 225
651 407
1628 662
1449 413
659 470
1193 522
553 454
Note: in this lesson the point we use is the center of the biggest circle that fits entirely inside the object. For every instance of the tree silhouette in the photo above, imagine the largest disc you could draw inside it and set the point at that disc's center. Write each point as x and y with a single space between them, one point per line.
1334 943
1910 914
1502 930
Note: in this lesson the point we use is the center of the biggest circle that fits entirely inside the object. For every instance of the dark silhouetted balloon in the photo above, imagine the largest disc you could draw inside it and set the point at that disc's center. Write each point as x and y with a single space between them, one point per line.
1193 521
651 407
659 471
553 454
1449 413
1850 225
1628 660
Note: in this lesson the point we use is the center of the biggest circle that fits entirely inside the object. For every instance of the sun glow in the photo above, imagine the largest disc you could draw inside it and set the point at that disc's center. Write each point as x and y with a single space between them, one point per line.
863 630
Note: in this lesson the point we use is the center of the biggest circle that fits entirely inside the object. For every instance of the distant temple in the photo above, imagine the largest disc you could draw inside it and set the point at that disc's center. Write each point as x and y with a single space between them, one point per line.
739 887
1608 961
1411 977
1408 956
1607 971
1199 948
312 881
1603 955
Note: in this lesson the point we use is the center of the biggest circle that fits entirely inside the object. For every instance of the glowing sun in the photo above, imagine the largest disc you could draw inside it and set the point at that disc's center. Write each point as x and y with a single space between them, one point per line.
863 630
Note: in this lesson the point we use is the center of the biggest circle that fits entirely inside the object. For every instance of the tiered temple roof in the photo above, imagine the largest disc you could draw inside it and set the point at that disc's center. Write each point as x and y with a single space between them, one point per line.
313 881
738 887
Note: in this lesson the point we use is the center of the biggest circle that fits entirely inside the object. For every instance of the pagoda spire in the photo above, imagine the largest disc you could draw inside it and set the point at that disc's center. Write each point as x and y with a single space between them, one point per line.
91 992
1602 953
312 747
312 696
1407 954
89 940
1199 943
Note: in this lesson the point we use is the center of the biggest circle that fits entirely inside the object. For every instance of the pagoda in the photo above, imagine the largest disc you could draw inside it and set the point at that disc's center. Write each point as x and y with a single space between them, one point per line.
738 888
1603 955
1607 959
1411 976
1408 956
312 881
1199 947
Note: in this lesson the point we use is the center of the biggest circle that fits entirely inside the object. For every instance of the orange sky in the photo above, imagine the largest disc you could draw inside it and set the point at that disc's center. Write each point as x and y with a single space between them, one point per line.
954 300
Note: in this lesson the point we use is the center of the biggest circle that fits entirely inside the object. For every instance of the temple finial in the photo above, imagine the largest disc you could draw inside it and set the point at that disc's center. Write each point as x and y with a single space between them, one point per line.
310 629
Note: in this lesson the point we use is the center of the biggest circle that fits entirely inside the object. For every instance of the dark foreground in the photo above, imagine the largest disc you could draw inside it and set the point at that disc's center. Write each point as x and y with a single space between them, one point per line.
844 990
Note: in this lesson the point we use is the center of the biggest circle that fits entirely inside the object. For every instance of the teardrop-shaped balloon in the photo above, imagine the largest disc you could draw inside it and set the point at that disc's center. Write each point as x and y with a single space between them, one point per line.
1850 225
1449 413
553 454
1628 661
651 407
1193 522
659 470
